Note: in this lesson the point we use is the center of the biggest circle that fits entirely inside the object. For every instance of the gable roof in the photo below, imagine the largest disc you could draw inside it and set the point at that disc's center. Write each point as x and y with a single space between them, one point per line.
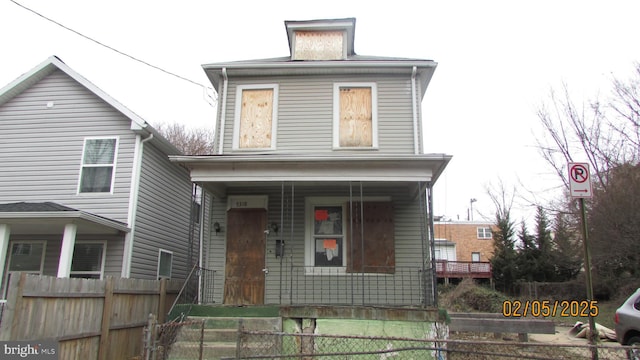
53 63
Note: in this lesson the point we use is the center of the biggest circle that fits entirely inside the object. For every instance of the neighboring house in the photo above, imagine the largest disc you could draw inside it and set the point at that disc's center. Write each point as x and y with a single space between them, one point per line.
463 248
320 181
86 187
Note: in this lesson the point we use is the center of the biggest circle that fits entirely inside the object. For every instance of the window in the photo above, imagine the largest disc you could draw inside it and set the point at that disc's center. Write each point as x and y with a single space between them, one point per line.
27 257
88 260
328 235
355 116
319 45
484 233
256 117
98 165
328 225
196 203
165 263
475 256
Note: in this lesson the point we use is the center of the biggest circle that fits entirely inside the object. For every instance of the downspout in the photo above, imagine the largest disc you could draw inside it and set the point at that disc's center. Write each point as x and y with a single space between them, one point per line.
414 105
133 205
203 206
223 111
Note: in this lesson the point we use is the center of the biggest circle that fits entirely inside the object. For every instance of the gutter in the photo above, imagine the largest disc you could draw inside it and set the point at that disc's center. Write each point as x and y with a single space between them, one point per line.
223 110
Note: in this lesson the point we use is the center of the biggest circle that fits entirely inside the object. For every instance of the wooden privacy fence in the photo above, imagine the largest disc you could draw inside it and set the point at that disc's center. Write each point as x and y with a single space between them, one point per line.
90 319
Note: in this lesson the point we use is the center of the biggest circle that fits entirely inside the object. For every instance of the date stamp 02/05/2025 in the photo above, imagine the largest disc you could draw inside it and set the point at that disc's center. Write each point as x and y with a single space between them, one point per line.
550 308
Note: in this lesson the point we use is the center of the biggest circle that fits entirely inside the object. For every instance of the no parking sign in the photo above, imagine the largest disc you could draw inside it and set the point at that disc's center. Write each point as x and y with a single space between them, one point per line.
579 180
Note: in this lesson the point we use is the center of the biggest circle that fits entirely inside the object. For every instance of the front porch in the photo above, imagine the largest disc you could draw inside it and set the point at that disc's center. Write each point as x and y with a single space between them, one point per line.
52 239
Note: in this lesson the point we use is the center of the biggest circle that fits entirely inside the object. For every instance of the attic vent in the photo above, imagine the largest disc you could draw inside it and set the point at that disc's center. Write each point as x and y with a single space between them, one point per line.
319 45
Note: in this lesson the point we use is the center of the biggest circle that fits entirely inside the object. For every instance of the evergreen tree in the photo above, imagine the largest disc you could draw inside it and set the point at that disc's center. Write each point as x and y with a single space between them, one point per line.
545 267
567 256
526 257
503 262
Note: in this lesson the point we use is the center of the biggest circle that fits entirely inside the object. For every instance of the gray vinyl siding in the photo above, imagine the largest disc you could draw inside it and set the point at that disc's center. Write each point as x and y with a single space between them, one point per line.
279 282
163 216
41 148
305 113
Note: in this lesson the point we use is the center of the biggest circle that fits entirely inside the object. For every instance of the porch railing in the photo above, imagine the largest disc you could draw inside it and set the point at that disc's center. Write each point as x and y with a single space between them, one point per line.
197 288
378 286
460 269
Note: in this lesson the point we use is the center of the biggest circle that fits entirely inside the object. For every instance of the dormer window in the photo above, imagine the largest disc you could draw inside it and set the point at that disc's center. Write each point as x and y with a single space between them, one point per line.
321 40
319 45
355 116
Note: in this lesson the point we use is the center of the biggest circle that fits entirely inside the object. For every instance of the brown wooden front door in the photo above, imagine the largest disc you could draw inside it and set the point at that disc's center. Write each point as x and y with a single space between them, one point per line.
244 279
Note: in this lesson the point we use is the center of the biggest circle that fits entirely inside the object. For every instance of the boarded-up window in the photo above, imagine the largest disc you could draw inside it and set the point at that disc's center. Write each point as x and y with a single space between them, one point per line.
319 45
375 251
256 119
355 117
256 110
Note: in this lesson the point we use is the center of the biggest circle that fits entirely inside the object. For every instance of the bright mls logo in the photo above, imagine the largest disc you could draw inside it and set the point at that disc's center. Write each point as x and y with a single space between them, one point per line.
29 350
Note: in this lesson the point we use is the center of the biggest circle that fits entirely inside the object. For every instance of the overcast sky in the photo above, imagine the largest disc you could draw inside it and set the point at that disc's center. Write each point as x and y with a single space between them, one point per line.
497 61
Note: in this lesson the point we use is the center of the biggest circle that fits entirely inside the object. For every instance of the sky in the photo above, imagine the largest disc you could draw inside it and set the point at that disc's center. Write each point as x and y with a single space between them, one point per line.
497 63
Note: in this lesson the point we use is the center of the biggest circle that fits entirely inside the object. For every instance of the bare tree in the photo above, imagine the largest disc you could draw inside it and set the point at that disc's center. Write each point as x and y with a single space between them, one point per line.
191 141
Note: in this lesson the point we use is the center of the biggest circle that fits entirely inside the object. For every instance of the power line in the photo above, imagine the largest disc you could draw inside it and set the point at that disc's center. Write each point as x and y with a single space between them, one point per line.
205 88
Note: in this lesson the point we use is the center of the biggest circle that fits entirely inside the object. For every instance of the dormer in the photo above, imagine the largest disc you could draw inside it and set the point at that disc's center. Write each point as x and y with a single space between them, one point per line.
321 39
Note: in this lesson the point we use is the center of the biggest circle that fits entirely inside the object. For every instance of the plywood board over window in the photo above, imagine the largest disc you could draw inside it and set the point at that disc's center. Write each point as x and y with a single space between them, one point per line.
319 45
255 117
355 116
372 247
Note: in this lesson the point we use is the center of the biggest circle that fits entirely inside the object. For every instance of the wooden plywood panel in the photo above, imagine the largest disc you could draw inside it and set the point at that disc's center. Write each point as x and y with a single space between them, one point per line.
244 278
256 119
356 120
376 252
318 45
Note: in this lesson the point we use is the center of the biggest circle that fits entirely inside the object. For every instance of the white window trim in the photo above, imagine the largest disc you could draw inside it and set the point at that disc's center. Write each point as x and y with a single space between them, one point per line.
474 253
238 113
336 114
160 251
103 260
8 264
484 237
82 165
309 225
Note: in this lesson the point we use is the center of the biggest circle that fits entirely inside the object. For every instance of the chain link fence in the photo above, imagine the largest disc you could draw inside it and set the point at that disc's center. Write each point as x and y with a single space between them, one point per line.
270 345
182 340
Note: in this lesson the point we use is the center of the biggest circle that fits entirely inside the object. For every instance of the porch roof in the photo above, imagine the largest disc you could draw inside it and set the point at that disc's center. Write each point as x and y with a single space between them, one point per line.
51 217
242 168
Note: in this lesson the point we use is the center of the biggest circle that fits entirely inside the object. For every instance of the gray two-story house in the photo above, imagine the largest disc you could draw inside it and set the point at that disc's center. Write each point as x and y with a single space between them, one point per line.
86 186
322 189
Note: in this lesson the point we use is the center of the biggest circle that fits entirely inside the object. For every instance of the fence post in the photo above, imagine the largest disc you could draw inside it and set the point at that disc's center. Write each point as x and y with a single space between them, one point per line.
17 306
201 340
162 301
107 307
149 339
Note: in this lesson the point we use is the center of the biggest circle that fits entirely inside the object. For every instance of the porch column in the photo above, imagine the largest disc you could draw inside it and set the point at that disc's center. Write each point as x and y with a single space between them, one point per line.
5 231
66 253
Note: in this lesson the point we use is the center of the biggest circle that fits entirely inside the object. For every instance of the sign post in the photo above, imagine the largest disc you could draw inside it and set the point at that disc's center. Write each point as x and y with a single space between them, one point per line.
580 188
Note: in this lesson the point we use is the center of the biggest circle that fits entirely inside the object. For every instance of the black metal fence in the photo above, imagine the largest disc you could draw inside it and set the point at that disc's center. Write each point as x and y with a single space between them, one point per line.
271 345
389 286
